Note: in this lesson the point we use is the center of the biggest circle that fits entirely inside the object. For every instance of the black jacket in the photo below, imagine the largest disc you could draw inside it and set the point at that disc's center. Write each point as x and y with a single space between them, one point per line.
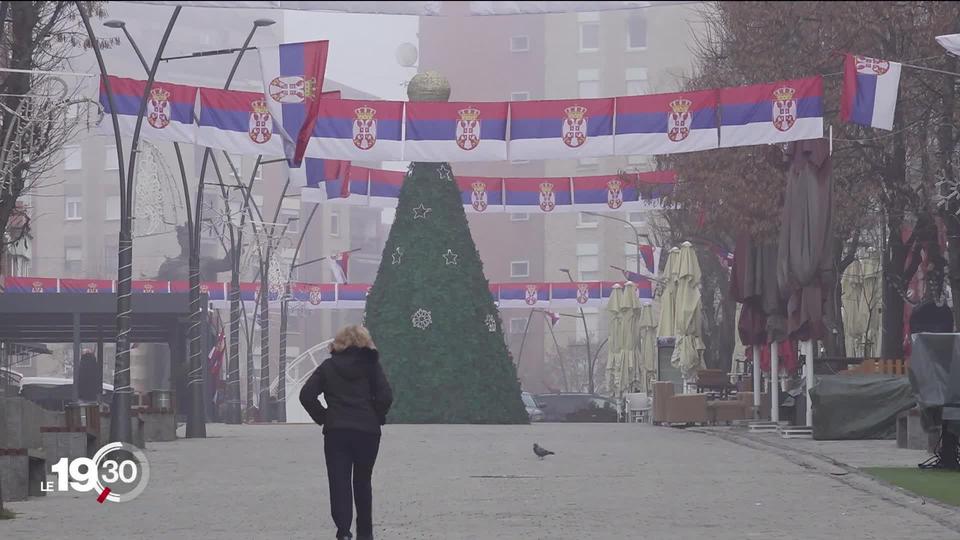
355 388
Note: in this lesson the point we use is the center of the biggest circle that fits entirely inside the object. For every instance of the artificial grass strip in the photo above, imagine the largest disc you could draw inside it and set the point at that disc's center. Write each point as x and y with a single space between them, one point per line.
943 486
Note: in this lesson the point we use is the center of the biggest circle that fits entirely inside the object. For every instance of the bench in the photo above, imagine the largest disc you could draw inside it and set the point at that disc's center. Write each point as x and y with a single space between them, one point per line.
22 471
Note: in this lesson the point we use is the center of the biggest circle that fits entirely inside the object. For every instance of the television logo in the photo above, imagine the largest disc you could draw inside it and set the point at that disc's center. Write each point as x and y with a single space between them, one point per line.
119 478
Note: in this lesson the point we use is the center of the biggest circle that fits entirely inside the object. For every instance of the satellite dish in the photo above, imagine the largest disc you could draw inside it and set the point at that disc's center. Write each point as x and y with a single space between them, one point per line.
407 54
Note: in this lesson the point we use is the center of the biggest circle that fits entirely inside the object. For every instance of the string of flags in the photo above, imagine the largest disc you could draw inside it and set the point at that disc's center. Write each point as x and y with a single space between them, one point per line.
343 183
335 295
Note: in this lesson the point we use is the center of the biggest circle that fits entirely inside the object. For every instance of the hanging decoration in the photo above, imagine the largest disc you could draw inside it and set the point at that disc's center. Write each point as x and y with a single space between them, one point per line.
421 319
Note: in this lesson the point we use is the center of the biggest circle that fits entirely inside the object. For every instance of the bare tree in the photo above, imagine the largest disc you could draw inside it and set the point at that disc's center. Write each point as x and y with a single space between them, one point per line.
39 112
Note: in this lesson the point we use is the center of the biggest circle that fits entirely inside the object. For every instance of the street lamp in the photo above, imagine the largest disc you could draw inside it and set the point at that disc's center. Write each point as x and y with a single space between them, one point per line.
586 335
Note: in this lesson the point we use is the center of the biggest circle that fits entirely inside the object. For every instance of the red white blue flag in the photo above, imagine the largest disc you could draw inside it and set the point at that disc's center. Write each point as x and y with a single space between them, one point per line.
292 81
771 113
538 195
314 295
339 266
358 130
352 295
605 193
455 132
168 116
551 316
667 123
86 286
559 129
521 295
566 294
238 122
481 195
385 187
870 88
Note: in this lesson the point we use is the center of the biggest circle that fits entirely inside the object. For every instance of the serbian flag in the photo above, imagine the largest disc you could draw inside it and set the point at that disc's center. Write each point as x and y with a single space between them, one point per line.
455 131
538 195
481 195
604 193
726 257
552 316
771 113
667 123
248 292
654 186
332 180
86 286
216 293
149 287
352 295
649 255
238 122
168 116
524 295
870 89
385 187
358 130
644 288
12 284
561 129
566 294
215 358
292 81
314 295
339 265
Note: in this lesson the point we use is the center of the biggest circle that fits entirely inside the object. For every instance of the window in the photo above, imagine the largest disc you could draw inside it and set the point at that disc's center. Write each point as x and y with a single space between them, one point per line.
111 212
588 163
587 221
518 325
590 36
637 218
73 260
72 158
73 208
519 216
334 223
588 262
591 316
519 44
519 269
521 95
110 158
630 256
636 31
589 83
293 222
110 254
637 83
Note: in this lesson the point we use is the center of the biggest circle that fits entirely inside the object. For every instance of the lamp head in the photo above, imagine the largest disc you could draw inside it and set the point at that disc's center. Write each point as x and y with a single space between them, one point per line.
264 22
114 23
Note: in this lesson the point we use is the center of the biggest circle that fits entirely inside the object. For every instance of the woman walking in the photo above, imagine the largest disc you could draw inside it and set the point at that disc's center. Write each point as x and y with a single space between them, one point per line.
358 398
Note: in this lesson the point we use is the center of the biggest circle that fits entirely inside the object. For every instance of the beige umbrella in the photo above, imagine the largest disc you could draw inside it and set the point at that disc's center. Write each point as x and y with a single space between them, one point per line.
861 302
686 354
648 344
666 328
630 372
614 330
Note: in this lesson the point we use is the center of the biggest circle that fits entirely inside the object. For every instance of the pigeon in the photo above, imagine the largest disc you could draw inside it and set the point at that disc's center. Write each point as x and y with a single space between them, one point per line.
541 452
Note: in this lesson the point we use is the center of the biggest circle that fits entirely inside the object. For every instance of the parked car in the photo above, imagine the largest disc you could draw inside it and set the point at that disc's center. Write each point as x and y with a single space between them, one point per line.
533 408
577 407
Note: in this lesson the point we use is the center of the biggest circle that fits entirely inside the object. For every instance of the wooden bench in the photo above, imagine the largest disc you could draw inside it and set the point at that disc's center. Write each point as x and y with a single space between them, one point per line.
879 366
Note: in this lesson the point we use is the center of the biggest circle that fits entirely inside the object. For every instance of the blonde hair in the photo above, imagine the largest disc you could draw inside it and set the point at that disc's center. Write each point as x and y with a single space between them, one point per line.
352 336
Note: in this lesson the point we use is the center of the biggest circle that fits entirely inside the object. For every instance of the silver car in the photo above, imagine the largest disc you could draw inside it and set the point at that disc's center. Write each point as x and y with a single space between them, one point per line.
533 410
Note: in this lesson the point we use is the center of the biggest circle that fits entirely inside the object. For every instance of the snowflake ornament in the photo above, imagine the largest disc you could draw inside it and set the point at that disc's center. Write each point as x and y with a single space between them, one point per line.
445 173
421 319
491 323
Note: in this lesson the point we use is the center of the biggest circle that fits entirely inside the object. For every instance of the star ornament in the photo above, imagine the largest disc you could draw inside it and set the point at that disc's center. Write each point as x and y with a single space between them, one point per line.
421 212
397 255
450 257
445 173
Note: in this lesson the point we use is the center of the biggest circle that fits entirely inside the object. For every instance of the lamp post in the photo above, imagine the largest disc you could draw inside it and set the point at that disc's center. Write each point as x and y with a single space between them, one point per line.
120 428
636 233
586 335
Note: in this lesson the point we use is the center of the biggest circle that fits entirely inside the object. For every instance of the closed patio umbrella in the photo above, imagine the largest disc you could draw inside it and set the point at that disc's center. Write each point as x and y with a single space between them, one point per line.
648 344
630 373
686 356
667 324
614 340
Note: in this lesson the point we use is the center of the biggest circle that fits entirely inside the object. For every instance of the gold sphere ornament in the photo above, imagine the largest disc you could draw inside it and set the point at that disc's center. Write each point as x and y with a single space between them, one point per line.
428 86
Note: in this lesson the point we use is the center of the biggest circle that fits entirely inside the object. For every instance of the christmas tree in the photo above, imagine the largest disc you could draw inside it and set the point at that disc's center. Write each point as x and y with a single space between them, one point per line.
430 310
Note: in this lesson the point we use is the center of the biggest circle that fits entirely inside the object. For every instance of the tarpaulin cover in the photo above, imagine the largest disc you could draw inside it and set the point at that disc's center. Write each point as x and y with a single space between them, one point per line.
935 372
859 406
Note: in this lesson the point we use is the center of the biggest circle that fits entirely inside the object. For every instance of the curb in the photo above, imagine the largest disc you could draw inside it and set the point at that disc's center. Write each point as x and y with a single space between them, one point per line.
946 515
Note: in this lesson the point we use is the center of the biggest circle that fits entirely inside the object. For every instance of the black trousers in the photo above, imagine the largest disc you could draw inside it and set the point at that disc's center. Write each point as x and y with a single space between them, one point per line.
350 457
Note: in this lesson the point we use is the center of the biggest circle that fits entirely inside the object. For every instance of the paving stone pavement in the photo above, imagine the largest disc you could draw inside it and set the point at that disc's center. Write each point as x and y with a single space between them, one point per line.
607 481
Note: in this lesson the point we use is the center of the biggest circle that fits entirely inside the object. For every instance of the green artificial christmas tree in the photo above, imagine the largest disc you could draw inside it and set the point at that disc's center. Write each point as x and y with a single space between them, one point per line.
430 311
